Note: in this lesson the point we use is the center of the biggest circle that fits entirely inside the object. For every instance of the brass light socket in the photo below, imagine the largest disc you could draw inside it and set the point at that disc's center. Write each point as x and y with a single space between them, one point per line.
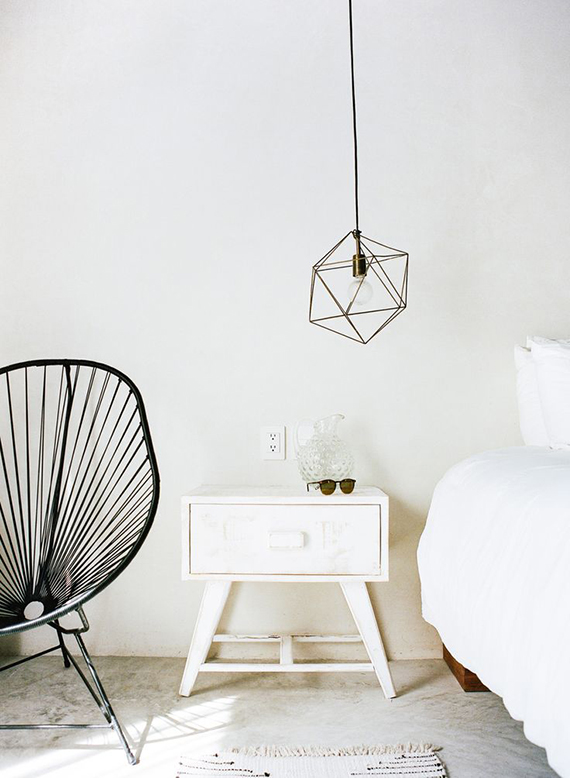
358 265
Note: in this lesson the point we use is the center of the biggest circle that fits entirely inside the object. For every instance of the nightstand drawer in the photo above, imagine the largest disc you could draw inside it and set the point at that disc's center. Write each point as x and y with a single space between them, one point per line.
285 539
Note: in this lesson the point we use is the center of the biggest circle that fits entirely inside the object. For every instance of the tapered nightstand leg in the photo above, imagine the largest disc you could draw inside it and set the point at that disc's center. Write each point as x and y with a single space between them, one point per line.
360 606
211 607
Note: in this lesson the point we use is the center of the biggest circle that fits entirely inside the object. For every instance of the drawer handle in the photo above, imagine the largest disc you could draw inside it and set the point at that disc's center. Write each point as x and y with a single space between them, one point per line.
286 539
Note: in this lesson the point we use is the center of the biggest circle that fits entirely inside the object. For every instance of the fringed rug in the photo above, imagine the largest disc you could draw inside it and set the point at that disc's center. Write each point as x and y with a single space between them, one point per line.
406 761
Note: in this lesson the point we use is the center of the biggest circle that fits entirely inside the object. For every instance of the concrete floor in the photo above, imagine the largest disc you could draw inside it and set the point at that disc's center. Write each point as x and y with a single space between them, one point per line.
478 737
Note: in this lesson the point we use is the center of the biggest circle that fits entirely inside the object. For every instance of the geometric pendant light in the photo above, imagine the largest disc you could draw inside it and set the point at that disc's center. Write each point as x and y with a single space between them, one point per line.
358 294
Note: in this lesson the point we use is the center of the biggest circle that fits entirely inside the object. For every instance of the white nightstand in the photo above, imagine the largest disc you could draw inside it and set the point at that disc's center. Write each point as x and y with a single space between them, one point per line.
282 534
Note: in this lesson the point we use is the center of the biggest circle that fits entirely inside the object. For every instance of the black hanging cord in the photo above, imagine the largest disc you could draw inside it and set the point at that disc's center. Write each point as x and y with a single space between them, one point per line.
354 134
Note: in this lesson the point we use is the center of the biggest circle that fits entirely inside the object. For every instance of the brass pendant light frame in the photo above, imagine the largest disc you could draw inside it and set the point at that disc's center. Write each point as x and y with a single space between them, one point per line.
373 263
346 319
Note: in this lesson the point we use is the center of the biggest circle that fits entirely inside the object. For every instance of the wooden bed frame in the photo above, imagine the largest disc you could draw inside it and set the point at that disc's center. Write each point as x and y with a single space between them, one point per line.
468 681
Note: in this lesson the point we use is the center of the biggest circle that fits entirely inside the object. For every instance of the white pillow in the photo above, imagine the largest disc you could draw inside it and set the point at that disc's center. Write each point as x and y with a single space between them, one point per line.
530 339
531 420
552 362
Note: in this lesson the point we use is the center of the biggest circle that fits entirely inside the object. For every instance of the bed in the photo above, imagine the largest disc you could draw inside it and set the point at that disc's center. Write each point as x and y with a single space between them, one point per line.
494 562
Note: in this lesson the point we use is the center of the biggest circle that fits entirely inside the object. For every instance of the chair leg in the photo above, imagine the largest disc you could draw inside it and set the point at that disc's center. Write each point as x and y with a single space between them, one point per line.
62 645
96 690
103 700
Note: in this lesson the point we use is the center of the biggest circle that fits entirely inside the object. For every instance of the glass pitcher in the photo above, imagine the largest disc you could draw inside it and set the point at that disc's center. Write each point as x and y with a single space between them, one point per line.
324 454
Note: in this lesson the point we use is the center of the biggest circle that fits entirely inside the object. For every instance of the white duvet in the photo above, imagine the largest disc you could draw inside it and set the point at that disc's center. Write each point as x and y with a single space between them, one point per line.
494 563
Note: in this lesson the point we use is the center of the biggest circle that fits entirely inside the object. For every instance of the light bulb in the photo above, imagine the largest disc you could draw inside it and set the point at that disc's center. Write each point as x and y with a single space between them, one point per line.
365 292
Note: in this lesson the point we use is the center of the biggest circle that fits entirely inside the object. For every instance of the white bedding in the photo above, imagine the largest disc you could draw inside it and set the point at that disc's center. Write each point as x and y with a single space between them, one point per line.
494 563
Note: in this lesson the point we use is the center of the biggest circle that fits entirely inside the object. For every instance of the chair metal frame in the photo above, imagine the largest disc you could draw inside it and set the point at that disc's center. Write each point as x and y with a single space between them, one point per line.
51 618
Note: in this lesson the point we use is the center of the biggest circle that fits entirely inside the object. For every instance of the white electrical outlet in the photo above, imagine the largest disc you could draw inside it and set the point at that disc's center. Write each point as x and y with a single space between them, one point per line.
272 441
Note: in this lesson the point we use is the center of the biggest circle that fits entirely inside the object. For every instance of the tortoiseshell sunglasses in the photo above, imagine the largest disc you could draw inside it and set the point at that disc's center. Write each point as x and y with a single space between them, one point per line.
328 486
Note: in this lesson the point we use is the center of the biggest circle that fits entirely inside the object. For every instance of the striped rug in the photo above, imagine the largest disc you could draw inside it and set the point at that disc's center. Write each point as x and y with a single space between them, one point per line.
406 761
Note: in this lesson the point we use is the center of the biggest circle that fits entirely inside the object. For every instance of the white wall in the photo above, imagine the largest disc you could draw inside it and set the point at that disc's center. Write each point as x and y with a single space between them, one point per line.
171 170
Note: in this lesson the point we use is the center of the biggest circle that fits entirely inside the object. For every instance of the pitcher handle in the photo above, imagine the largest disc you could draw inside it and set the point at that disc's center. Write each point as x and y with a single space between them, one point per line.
302 423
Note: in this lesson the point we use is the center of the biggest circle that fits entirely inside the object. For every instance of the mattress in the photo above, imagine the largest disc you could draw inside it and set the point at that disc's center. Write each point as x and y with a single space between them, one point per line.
494 562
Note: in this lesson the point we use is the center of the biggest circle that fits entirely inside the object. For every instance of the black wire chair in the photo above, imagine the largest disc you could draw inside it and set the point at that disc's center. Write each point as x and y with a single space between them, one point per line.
79 489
